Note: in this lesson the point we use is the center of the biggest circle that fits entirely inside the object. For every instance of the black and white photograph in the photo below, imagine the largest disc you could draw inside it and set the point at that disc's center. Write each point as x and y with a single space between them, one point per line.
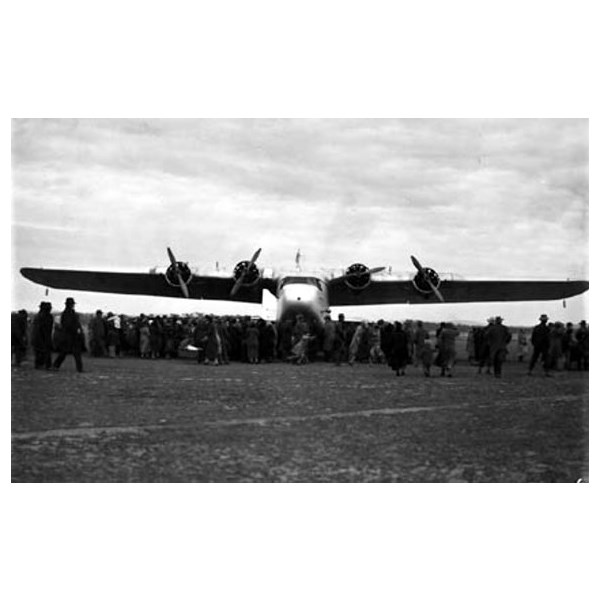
300 300
284 278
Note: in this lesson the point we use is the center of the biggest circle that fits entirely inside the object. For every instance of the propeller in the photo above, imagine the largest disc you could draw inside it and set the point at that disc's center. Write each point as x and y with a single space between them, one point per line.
366 271
425 275
175 265
239 282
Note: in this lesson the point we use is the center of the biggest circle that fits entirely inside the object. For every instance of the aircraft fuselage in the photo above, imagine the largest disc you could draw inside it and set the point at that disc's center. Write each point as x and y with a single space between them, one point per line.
302 295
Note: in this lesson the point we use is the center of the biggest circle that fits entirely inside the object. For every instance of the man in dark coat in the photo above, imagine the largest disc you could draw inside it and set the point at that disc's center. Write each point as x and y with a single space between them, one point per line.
540 340
18 329
340 340
498 336
41 338
447 348
582 338
71 336
399 353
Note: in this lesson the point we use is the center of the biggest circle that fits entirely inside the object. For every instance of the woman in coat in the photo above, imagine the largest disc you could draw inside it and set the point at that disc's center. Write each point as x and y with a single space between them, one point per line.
213 343
145 339
252 342
447 348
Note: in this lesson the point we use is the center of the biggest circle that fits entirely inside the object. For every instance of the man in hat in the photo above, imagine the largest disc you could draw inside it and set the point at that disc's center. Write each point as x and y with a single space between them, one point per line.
498 338
41 338
484 356
71 336
18 328
582 338
540 340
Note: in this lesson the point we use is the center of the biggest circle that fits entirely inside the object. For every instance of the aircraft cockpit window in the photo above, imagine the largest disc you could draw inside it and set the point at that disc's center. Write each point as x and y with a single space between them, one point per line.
301 279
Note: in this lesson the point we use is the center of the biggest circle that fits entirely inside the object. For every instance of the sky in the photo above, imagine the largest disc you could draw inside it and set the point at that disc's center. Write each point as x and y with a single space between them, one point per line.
480 198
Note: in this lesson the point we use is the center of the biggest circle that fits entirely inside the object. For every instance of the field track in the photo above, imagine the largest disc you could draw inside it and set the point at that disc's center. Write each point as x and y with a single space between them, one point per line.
177 421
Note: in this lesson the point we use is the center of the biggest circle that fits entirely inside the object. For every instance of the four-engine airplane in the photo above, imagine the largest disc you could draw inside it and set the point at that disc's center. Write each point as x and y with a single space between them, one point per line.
304 293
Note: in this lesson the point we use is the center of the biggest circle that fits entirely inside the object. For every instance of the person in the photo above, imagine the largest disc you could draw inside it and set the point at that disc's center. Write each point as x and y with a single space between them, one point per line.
582 339
426 357
399 352
252 342
18 328
498 337
340 340
200 338
540 340
328 338
359 332
471 345
113 335
144 338
267 341
213 343
387 332
300 328
568 344
421 334
71 336
447 348
299 354
97 332
376 355
222 328
41 338
284 337
484 356
156 336
555 348
521 345
364 345
410 339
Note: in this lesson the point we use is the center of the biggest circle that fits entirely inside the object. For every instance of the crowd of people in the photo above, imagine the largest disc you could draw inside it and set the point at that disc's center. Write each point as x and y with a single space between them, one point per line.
555 345
218 340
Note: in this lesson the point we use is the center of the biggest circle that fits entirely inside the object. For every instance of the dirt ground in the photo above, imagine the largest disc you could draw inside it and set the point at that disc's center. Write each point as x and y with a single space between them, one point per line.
133 420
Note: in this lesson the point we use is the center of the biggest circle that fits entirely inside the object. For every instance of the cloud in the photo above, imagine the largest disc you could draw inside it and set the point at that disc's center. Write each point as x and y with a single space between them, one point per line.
484 197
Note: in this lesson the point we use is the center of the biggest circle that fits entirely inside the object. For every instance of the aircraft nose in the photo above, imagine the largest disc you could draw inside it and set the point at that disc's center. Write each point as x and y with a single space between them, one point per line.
300 293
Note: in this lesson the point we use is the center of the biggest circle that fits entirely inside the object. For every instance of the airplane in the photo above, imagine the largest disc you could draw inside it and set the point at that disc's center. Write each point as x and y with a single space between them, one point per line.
304 293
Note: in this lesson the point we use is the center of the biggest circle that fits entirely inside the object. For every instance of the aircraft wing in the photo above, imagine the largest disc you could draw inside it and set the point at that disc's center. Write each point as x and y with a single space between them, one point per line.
404 292
147 284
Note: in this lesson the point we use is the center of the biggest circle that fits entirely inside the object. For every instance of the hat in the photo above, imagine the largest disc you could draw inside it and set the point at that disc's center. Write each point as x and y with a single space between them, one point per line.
499 319
543 317
69 301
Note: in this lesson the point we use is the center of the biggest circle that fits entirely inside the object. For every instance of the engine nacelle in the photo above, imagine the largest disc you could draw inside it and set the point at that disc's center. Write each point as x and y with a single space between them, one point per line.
420 281
184 271
249 276
357 276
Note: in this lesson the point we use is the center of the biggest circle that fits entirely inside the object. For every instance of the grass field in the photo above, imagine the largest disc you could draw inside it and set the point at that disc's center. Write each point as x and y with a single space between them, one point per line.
129 420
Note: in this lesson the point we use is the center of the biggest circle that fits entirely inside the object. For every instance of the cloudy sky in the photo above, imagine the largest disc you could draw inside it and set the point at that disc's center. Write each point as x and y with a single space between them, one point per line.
481 198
